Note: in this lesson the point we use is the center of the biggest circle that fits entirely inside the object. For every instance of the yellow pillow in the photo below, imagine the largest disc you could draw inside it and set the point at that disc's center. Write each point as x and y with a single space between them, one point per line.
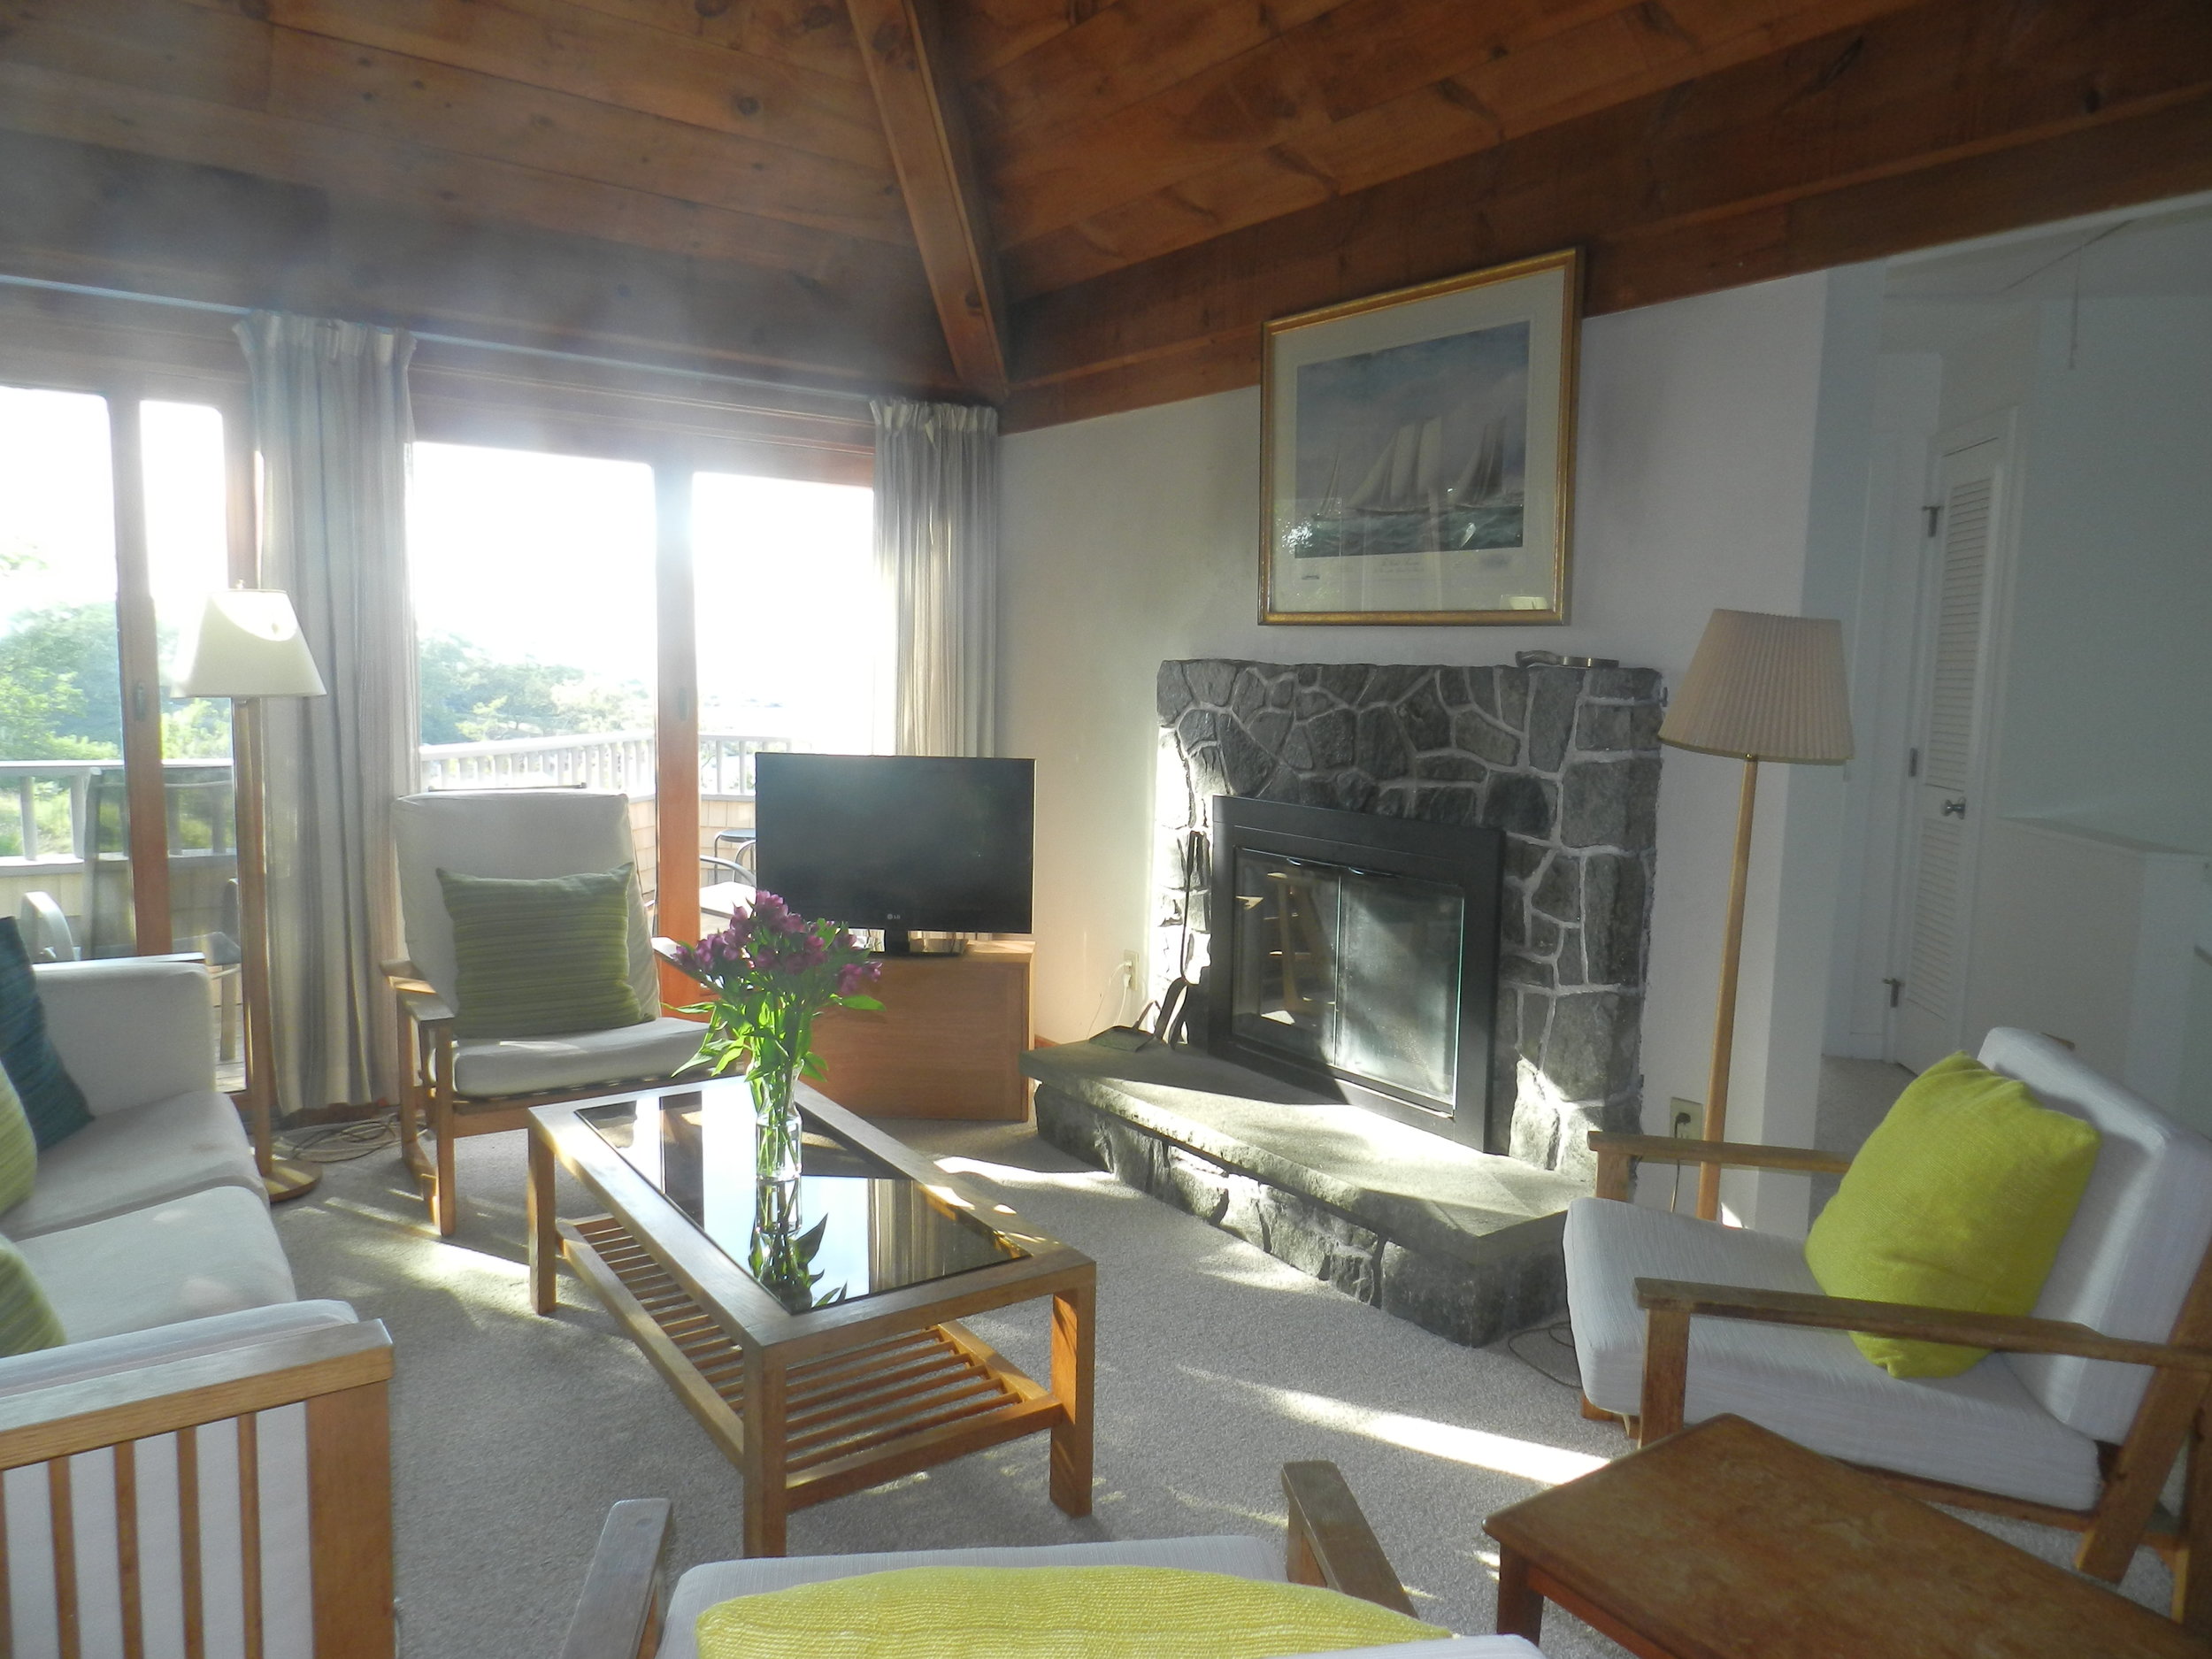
1047 1613
1960 1199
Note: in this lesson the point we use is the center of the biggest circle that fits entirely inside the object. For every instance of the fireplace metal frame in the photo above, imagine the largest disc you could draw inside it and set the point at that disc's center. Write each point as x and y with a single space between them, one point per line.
1467 857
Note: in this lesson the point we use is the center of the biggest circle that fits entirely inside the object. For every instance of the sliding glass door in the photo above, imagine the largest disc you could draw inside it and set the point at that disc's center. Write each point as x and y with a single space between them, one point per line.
119 514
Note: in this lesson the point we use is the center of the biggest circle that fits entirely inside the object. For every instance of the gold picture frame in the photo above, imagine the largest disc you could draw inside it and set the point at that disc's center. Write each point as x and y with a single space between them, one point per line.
1417 452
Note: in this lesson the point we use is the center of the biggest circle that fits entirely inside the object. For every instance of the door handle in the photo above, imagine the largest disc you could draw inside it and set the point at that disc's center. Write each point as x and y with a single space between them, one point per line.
1954 809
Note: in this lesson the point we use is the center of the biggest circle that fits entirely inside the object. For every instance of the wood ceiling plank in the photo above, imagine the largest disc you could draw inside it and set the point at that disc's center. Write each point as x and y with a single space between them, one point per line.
1928 87
984 35
566 47
1558 78
929 146
165 45
49 102
334 83
1123 53
812 33
89 214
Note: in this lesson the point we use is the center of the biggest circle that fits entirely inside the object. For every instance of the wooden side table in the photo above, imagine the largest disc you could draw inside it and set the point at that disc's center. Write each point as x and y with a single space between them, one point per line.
1725 1541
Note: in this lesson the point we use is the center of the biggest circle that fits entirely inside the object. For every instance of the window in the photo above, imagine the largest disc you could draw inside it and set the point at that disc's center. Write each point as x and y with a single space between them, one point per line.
547 596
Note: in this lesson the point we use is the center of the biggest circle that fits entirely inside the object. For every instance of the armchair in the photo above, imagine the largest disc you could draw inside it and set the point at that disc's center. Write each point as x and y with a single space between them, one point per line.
2074 1420
625 1611
471 1086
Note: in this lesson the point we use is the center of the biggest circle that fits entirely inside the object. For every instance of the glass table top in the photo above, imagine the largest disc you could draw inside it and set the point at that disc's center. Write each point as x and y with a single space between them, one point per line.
850 1226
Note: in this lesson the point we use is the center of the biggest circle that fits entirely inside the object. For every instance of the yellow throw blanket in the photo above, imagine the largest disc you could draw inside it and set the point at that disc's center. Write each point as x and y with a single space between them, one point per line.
1047 1613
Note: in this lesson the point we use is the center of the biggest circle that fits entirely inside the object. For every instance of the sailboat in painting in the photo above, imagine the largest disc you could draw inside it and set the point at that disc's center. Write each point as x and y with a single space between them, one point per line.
1408 501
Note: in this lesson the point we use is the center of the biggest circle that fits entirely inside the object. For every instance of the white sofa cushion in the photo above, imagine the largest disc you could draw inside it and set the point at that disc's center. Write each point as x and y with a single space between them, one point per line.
1982 1429
518 1065
128 1159
130 1031
2136 1241
702 1587
206 1253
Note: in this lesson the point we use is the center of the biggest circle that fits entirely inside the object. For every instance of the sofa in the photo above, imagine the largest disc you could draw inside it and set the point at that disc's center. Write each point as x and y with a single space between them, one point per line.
151 1235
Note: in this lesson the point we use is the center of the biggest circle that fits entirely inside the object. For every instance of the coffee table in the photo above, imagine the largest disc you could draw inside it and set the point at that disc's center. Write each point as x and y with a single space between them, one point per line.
1726 1541
825 1388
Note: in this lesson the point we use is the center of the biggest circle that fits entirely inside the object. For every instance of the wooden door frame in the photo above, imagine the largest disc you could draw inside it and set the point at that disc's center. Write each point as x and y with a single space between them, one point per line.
2004 428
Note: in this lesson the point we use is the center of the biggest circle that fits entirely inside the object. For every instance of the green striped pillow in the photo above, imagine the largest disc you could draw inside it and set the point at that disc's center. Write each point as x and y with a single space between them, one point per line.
19 1147
541 958
28 1321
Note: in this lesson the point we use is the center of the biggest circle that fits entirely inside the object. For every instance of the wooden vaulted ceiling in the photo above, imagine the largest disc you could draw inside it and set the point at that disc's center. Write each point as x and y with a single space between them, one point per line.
1066 206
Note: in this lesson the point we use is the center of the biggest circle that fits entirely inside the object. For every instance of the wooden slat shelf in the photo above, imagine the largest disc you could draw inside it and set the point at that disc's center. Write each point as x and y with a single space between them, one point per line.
894 1398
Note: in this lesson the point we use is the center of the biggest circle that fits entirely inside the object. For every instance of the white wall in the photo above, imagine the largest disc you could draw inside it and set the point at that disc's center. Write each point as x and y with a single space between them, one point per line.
2107 700
1718 440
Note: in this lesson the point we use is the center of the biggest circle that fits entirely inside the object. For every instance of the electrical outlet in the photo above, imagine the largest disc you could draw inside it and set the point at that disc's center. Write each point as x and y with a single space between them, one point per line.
1680 1115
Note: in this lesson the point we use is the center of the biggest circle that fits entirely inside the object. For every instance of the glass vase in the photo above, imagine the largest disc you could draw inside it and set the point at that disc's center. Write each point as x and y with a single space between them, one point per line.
776 1127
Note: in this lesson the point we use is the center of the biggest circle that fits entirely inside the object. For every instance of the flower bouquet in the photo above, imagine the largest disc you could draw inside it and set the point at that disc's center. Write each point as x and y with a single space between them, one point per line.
771 972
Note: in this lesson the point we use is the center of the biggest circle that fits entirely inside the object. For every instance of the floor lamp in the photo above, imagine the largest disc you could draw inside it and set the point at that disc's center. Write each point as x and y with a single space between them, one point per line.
251 648
1760 687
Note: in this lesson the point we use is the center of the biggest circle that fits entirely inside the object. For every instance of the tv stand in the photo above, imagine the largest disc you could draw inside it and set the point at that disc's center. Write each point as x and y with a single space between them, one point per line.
948 1041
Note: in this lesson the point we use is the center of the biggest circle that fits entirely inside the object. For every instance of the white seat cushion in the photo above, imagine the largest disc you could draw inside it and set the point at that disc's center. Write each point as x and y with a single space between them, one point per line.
126 1160
1982 1429
2134 1249
703 1588
528 1065
207 1252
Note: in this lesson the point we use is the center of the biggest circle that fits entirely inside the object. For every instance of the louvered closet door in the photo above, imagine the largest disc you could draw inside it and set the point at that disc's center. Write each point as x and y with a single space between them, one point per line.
1934 935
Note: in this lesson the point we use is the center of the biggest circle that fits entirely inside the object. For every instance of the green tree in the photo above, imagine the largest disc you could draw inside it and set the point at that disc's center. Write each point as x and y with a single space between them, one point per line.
468 697
60 695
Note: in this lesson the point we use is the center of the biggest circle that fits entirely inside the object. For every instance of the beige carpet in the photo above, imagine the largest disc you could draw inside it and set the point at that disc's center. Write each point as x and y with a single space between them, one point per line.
1217 1364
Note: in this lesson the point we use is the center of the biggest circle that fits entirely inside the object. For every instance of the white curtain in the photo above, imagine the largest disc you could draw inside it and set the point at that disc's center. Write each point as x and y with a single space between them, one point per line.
937 559
332 426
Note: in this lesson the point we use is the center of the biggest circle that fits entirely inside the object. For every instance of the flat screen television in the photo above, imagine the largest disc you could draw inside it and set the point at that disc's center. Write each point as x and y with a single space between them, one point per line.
906 843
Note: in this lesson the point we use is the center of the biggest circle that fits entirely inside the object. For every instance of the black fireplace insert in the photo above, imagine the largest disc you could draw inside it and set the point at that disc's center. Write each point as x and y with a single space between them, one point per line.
1359 955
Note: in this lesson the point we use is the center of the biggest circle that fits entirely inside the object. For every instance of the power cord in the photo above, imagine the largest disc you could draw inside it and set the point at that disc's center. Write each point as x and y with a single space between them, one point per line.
340 1143
1562 1334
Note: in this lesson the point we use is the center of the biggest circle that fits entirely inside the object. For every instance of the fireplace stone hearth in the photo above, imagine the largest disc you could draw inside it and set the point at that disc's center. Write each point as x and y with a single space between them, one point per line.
1462 1241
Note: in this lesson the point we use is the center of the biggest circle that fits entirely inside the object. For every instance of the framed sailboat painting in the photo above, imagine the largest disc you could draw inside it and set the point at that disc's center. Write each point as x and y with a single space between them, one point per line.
1420 452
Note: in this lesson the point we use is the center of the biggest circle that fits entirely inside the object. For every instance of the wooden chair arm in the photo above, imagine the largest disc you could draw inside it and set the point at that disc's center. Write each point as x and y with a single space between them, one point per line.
618 1613
1669 1305
406 978
2014 1333
1616 1154
1331 1543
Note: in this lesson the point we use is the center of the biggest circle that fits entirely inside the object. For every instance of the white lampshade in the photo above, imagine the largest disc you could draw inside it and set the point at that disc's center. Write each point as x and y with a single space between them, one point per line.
251 646
1764 687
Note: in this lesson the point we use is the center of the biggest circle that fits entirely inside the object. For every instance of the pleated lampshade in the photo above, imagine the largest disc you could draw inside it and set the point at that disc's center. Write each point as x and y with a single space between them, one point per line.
1764 687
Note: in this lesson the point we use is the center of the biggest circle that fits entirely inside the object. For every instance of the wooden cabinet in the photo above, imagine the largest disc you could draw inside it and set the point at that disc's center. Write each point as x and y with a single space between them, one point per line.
948 1041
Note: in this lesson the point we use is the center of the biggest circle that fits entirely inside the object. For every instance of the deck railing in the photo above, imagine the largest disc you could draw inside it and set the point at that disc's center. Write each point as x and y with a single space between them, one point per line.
49 814
612 760
50 809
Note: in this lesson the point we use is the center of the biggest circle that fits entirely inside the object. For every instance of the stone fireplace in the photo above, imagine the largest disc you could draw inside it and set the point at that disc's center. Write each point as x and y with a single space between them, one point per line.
1564 761
1459 1233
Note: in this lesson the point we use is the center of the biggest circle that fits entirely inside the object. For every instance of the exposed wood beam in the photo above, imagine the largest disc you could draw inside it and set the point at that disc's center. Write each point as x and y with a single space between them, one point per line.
929 148
1959 119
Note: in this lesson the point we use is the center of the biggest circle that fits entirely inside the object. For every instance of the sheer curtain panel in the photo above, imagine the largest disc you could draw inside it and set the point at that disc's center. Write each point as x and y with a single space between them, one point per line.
332 428
937 559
